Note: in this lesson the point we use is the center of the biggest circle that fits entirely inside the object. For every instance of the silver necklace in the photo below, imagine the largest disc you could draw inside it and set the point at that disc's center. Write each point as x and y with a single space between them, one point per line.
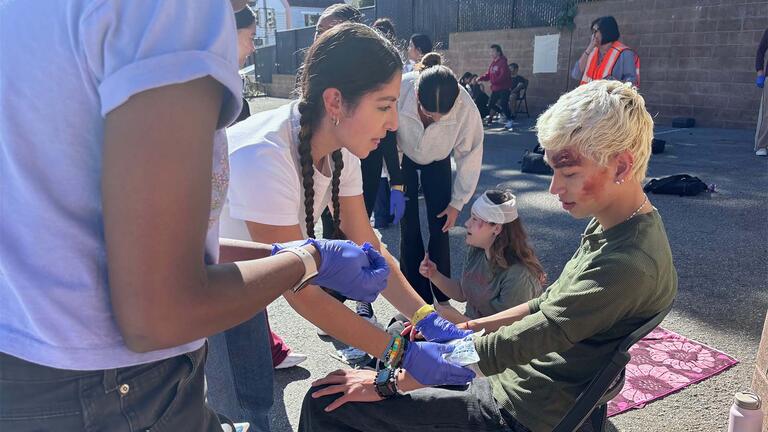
638 209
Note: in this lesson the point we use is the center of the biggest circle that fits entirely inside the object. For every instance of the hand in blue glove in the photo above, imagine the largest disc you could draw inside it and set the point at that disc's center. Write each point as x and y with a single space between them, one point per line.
425 362
356 272
760 81
396 205
435 328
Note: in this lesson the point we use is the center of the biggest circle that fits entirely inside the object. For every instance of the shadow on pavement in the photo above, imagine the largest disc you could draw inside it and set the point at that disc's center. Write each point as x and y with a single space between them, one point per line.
283 377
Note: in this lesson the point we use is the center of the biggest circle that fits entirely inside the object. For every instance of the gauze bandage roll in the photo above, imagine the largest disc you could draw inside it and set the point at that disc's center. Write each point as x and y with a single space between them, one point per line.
502 213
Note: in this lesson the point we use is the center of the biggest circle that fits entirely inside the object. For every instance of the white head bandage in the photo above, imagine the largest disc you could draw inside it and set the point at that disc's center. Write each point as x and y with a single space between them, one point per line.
502 213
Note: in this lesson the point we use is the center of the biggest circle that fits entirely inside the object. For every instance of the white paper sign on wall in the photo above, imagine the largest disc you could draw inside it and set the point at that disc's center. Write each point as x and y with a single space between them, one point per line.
545 53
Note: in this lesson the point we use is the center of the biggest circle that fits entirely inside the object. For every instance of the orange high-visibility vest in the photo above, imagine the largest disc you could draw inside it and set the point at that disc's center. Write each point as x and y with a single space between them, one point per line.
597 71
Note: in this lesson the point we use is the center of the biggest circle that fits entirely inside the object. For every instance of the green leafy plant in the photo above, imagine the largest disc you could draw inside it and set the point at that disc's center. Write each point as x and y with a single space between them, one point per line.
565 20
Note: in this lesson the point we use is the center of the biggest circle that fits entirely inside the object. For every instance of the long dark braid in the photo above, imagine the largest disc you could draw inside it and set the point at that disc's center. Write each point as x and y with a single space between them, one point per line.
307 167
338 165
356 60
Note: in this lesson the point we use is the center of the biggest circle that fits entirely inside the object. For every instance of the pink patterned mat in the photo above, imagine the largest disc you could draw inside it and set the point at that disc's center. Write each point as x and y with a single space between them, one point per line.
662 363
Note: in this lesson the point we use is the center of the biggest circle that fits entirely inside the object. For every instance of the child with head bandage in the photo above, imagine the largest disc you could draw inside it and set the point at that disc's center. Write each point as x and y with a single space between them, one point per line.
501 269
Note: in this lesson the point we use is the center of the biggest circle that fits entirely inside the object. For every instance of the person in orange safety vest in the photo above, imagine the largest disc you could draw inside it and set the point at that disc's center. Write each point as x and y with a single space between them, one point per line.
607 58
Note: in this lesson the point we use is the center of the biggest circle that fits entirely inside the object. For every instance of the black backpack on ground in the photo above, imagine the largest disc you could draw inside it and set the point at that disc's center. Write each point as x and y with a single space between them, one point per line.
533 162
679 184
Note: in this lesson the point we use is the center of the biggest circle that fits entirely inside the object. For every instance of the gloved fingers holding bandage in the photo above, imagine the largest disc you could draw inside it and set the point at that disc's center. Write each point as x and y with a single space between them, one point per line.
356 272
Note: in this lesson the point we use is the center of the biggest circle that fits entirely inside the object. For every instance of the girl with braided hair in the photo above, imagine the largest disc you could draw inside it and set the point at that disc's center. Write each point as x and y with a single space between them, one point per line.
370 166
288 164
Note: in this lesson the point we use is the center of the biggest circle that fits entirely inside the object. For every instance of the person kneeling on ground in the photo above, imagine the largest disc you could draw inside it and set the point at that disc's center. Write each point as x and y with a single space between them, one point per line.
598 140
501 269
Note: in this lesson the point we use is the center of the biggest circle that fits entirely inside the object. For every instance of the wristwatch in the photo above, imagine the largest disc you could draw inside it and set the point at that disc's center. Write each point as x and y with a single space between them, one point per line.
386 383
310 267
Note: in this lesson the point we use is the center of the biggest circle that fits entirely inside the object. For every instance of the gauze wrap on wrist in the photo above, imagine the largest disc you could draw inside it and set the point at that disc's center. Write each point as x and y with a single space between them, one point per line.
486 210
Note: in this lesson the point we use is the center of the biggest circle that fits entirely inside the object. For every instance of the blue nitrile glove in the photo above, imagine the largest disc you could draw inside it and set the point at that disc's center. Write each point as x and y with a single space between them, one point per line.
425 362
356 272
760 81
396 205
435 328
277 247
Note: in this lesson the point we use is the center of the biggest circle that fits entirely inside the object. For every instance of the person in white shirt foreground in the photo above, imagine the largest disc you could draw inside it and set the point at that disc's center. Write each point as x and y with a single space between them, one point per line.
109 282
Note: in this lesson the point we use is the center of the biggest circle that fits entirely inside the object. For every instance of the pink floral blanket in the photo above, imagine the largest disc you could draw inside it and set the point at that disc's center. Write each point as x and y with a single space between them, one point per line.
662 363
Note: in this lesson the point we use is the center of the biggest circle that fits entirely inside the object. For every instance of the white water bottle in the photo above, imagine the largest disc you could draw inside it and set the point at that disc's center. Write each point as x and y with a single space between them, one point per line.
745 414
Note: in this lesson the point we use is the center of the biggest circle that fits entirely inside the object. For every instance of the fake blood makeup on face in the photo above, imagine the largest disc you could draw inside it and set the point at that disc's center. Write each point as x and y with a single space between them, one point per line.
566 158
595 185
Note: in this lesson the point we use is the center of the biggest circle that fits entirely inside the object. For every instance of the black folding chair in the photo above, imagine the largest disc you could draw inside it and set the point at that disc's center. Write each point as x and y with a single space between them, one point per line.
522 99
593 401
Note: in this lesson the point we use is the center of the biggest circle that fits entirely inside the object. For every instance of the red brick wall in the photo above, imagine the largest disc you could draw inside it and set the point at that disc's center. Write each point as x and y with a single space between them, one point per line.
697 56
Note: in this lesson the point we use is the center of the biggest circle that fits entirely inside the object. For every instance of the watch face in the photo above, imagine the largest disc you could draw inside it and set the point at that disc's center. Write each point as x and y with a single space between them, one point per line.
381 377
382 383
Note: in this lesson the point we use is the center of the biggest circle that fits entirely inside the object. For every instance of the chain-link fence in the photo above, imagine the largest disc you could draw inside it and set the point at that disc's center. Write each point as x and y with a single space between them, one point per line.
435 18
477 15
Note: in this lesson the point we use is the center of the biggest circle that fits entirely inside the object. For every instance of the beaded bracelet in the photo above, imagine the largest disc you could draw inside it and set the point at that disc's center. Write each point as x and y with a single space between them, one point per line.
395 351
385 354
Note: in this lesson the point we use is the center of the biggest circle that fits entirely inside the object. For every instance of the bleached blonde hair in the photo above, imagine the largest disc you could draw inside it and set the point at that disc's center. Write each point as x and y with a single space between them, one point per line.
600 119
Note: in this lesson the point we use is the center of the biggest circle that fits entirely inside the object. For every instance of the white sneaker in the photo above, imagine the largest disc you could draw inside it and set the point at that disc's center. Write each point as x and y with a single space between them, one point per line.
509 124
351 355
761 152
291 360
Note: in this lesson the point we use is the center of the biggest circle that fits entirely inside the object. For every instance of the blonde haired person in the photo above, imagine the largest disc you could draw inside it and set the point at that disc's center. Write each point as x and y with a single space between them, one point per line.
597 138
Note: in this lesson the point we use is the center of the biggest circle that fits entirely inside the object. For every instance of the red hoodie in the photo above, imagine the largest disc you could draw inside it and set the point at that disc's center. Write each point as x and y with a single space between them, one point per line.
499 75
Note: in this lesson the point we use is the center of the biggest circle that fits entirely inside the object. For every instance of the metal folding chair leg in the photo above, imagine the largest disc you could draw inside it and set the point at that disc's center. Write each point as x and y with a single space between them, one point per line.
599 417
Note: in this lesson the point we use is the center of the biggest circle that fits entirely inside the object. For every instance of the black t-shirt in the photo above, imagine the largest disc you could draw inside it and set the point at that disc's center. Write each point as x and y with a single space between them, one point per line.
517 79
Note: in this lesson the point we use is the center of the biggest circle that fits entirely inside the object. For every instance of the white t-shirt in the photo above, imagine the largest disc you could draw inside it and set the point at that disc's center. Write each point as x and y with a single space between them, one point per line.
265 174
65 65
458 133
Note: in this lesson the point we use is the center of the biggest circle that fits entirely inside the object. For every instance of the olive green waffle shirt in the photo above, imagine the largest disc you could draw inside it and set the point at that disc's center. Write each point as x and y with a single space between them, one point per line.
616 280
